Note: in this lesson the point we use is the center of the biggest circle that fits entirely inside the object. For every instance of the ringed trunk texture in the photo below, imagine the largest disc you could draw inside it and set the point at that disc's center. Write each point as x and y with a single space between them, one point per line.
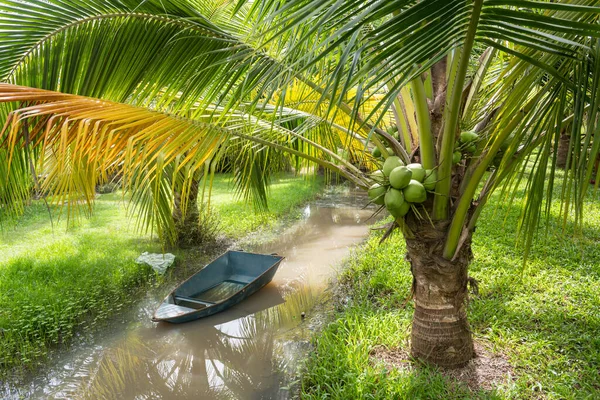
440 329
563 150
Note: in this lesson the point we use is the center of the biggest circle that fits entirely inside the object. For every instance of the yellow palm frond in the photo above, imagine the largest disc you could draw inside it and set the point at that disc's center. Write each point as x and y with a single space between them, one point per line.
78 139
72 143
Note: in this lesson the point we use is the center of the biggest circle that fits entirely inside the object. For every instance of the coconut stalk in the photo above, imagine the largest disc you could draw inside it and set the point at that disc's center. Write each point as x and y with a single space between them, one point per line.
451 114
426 147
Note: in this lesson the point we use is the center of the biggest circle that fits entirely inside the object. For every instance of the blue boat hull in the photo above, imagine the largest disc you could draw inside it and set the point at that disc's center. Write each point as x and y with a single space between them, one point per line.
223 283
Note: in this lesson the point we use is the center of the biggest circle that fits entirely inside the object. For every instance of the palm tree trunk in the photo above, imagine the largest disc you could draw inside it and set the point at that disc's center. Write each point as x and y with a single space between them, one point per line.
440 330
563 150
186 214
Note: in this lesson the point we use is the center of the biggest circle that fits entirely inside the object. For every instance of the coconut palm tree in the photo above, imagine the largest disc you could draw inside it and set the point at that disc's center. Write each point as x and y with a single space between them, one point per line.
476 92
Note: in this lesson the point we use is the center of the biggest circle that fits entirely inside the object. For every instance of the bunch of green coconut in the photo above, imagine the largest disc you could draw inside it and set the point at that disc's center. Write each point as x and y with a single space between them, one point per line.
398 186
465 146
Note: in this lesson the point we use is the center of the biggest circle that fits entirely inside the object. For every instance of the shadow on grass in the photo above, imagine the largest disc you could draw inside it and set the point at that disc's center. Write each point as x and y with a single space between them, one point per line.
347 363
544 314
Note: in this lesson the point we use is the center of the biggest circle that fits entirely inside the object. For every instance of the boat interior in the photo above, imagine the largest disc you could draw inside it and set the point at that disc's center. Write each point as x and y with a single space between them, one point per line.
213 295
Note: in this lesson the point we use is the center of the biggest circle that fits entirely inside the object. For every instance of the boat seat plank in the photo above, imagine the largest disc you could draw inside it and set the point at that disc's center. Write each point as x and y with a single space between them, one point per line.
193 300
241 279
171 310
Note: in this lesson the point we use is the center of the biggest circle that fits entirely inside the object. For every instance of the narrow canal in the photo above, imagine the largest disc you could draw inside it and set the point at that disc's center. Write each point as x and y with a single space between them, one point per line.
250 351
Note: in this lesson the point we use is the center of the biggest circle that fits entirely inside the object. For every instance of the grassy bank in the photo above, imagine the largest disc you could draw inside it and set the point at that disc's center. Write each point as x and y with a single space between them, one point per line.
544 318
55 282
238 218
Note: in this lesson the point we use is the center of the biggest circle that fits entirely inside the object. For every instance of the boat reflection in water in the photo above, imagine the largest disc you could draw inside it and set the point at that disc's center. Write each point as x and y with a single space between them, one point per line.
207 359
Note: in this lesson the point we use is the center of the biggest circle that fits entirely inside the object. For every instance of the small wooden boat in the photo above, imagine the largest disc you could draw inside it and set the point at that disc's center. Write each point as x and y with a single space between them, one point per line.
221 284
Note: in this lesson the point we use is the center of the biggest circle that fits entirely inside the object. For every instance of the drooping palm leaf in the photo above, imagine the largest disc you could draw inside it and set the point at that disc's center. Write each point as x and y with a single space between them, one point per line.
77 139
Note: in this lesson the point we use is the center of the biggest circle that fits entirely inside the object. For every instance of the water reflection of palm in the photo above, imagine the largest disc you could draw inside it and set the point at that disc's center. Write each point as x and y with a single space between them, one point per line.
230 356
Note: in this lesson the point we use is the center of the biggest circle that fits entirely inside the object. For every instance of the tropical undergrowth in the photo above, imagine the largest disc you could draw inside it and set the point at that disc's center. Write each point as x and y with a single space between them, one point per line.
56 283
543 317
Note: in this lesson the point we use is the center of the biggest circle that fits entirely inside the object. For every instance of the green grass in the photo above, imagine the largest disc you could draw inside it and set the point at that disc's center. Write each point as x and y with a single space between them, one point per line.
285 195
56 282
545 317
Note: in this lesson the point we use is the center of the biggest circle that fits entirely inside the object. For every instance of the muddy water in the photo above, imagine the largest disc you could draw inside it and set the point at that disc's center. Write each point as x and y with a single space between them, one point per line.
247 352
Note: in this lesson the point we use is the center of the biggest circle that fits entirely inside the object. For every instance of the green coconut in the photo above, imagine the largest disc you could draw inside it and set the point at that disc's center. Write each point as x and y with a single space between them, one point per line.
468 137
471 148
391 163
418 172
376 193
390 151
456 157
392 130
415 192
402 210
393 200
378 175
400 177
430 179
376 152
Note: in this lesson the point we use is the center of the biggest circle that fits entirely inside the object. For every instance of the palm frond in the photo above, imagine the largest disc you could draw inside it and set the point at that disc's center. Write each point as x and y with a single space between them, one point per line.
77 139
182 81
74 140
